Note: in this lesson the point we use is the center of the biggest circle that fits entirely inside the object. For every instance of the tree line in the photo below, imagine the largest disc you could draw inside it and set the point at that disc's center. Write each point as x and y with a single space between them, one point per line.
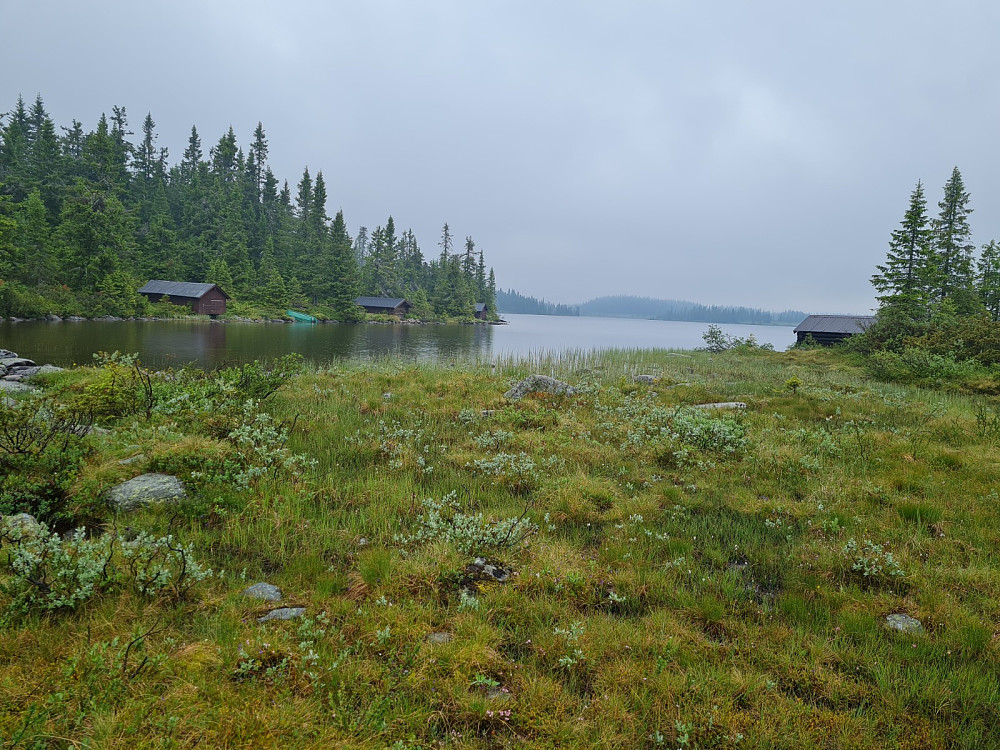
669 309
87 216
510 301
935 292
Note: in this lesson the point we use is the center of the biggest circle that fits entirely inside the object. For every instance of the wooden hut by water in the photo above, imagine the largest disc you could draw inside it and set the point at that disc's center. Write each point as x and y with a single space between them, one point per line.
481 311
397 306
205 299
829 329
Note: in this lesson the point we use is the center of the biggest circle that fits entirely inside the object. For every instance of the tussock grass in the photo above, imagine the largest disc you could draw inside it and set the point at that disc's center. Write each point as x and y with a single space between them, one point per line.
679 592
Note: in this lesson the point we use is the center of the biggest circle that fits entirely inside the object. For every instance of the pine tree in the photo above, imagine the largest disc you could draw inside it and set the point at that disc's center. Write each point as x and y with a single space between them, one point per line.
343 271
905 281
953 247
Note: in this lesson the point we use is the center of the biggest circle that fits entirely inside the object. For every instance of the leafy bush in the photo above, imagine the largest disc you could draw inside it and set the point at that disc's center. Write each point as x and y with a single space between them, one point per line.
871 561
48 573
914 365
470 533
716 341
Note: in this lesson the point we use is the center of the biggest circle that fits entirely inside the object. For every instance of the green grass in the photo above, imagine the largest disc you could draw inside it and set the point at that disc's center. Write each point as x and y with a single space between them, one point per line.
678 591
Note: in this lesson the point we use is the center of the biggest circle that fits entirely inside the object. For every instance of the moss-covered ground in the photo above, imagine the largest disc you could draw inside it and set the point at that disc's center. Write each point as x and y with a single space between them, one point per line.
679 578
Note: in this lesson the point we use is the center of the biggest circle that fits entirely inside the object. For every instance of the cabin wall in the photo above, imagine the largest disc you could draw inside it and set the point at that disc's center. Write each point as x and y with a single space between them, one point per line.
212 302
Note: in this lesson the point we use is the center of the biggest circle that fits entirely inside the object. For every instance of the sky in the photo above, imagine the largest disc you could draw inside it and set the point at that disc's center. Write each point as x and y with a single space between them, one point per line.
727 153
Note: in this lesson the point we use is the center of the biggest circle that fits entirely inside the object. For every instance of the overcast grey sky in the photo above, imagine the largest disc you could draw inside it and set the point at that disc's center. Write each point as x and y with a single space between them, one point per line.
722 152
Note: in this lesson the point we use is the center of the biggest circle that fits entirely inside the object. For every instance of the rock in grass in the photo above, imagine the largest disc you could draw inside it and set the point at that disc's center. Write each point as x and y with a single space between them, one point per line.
644 378
24 523
722 405
12 362
440 638
539 384
284 613
266 591
480 569
7 354
146 489
904 623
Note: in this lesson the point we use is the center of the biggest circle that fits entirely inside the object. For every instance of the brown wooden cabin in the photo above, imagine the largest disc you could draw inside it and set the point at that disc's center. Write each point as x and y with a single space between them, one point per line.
397 306
829 329
205 299
481 311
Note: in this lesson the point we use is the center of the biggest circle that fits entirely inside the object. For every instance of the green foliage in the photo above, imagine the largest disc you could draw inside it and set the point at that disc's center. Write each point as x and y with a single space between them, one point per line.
716 341
471 533
49 573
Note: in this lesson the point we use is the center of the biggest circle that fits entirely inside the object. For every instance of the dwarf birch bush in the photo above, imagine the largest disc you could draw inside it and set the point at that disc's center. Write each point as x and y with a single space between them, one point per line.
471 533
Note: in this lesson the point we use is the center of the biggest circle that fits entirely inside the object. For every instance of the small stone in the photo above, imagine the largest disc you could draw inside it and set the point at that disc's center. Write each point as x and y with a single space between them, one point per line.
644 378
266 591
904 623
7 354
362 542
480 568
439 638
722 405
146 489
284 613
488 412
46 369
132 459
53 318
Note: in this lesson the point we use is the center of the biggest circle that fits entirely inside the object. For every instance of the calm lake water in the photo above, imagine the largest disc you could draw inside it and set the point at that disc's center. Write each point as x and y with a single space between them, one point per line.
210 344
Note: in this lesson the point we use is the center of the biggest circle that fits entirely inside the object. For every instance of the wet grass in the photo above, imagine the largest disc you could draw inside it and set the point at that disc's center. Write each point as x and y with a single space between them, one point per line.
674 594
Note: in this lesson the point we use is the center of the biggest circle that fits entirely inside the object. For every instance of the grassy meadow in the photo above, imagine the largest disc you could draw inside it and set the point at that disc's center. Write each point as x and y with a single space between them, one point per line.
675 577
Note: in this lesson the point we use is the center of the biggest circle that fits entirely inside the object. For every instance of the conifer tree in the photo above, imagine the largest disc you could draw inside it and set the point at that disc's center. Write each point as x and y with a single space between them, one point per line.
906 279
953 247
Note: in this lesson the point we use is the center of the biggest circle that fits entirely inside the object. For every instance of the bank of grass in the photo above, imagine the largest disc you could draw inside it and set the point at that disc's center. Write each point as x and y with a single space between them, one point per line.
678 578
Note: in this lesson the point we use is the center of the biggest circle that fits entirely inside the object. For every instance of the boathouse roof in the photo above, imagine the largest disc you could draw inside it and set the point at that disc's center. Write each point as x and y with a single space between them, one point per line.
179 288
480 307
380 301
843 324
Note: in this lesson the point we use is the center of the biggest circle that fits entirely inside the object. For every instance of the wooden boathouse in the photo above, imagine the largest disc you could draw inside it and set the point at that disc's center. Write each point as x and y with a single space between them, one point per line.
829 329
397 306
205 299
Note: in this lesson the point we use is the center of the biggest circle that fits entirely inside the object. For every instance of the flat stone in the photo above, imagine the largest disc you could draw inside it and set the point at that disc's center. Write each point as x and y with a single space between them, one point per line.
266 591
439 638
53 318
146 489
644 378
722 405
539 384
46 369
284 613
132 459
18 374
12 362
904 623
7 354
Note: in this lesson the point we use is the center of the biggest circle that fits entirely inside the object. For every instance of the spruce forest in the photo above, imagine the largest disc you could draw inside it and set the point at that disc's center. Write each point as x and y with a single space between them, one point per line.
87 217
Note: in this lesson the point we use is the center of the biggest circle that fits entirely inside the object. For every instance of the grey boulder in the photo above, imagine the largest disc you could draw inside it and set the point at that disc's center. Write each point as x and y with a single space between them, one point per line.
904 623
146 489
284 613
266 591
10 386
539 384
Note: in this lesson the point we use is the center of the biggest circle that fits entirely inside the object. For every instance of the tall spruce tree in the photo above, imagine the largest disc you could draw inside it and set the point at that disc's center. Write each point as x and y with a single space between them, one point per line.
906 280
953 247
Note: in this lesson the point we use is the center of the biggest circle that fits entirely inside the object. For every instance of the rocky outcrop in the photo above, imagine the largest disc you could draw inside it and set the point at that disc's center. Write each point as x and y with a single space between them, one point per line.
146 489
539 384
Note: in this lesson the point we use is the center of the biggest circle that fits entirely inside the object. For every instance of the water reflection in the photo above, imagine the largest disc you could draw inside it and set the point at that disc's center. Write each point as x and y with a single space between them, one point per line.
213 344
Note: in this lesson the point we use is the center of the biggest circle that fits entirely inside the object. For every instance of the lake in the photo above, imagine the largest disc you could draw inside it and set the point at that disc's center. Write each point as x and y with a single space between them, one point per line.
210 344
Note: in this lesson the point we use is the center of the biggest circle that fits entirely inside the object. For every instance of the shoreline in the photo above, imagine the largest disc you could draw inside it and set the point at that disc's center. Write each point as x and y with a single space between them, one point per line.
238 319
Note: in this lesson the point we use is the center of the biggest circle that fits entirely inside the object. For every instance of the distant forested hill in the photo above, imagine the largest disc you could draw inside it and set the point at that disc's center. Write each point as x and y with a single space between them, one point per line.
511 302
624 306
